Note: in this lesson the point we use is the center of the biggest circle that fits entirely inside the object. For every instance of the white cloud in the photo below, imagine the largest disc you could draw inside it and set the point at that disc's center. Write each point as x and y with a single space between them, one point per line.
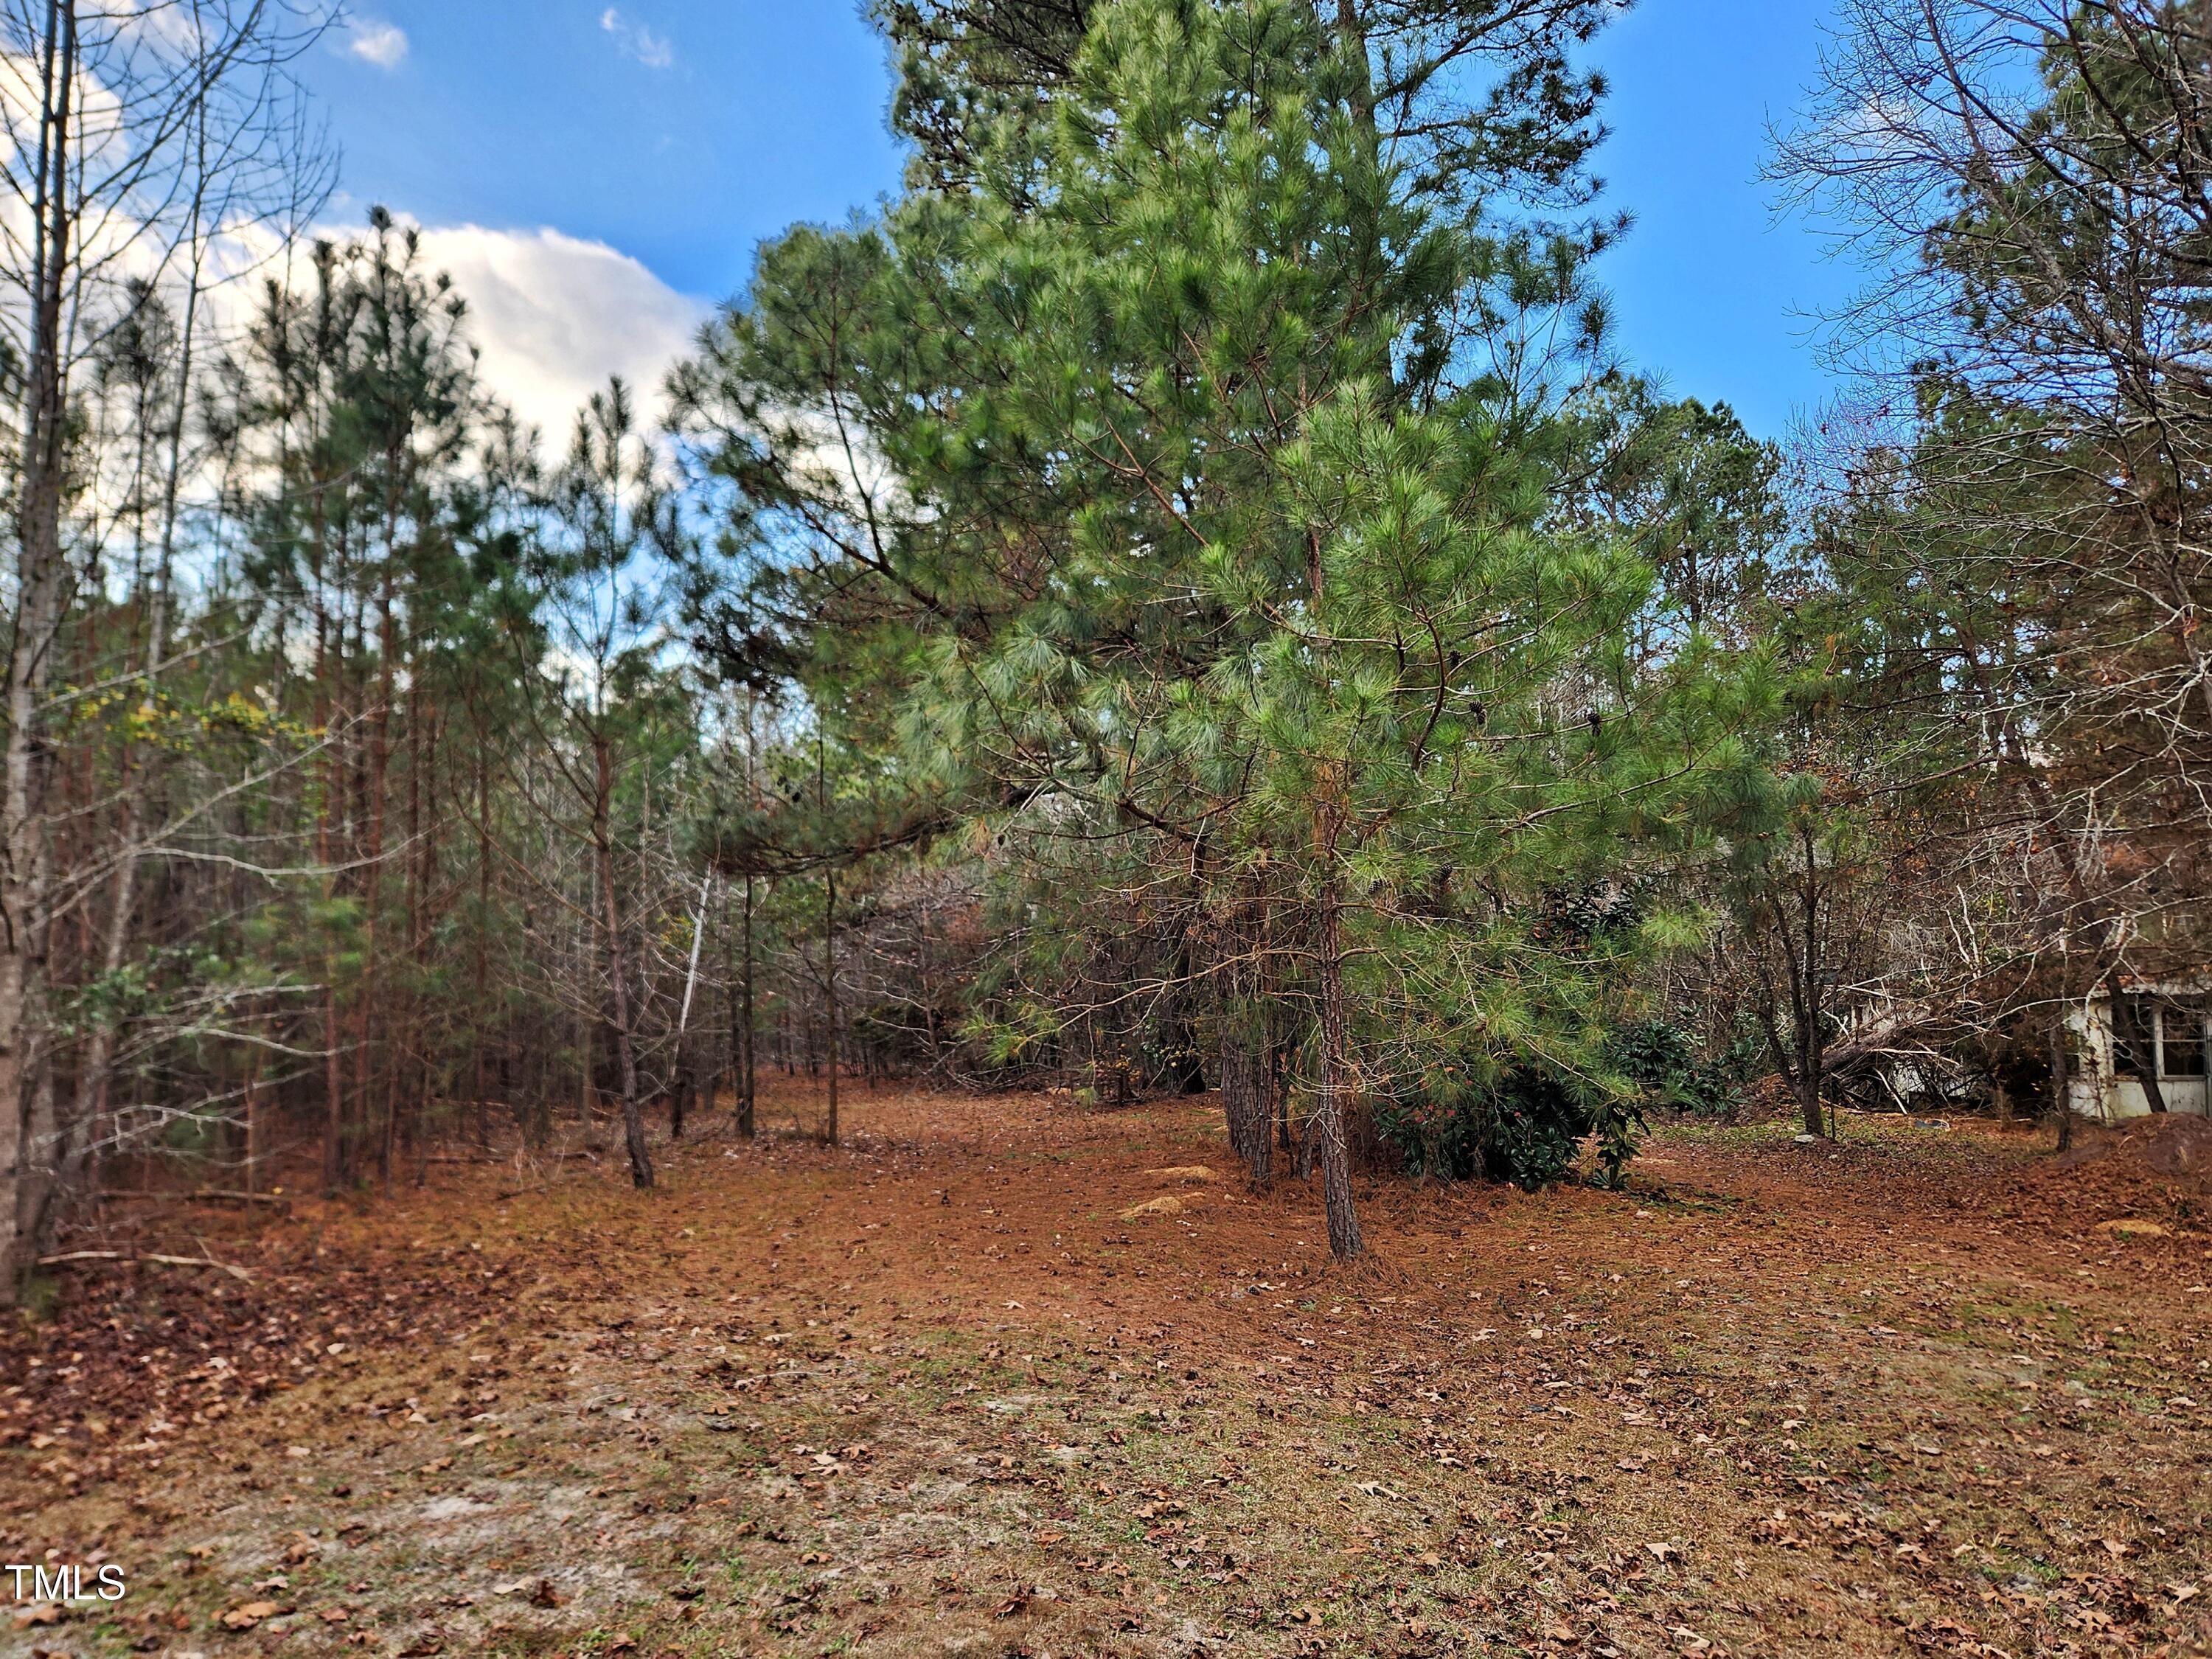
636 41
554 315
381 44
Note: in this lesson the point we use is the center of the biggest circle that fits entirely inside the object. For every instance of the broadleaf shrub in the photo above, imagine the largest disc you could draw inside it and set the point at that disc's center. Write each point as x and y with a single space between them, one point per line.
1525 1125
1664 1060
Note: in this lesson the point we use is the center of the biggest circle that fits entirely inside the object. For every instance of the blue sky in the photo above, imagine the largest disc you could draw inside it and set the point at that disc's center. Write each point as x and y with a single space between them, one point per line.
595 177
1713 294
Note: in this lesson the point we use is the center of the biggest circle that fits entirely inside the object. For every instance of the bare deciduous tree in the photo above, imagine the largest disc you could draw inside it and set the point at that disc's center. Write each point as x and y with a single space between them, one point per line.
136 136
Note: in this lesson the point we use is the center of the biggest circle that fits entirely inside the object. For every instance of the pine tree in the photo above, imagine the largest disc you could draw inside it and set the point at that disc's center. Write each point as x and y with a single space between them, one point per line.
1185 471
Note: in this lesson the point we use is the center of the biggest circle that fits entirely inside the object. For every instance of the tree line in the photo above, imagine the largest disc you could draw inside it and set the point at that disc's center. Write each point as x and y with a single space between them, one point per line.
1189 594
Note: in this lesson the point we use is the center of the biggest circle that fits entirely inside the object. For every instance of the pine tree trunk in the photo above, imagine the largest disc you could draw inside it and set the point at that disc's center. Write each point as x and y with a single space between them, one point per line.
379 782
480 945
741 1014
1326 1132
1812 1011
409 1078
1186 1064
640 1157
1247 1102
327 709
1343 1239
830 992
748 1057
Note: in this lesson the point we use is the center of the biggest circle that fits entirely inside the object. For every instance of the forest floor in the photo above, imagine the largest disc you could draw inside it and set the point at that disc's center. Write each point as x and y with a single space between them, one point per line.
947 1390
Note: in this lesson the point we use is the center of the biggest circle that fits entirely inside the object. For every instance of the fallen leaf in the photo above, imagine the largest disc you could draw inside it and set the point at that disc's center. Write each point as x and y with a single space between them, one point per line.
247 1615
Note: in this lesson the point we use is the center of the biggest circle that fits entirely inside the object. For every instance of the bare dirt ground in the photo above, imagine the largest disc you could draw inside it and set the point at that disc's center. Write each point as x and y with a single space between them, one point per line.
939 1392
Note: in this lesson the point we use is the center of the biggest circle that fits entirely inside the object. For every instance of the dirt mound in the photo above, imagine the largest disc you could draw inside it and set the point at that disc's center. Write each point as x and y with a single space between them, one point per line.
1167 1205
2128 1226
2175 1145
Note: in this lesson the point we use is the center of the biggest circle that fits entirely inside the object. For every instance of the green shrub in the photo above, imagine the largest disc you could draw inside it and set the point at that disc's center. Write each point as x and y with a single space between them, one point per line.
1535 1124
1524 1125
1662 1060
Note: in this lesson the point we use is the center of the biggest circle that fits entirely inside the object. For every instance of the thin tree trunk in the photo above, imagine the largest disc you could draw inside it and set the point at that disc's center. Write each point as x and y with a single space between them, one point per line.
830 992
1327 1129
1344 1237
1812 1041
251 1176
378 787
2138 1039
641 1158
407 1075
739 994
26 1081
138 784
2061 1101
482 943
747 1041
1186 1066
328 702
683 1062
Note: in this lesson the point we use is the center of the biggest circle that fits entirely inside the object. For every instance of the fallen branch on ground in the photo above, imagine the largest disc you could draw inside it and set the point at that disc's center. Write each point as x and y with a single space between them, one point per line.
204 1195
165 1261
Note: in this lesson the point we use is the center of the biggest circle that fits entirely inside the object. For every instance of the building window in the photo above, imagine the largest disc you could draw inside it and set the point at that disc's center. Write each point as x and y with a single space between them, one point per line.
2181 1041
2134 1040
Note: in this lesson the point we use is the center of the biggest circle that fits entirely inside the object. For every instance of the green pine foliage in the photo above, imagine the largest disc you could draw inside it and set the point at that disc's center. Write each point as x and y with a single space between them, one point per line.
1179 489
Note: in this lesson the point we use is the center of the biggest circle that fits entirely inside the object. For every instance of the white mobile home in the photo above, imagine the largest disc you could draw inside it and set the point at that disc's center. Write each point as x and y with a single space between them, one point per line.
2155 1029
